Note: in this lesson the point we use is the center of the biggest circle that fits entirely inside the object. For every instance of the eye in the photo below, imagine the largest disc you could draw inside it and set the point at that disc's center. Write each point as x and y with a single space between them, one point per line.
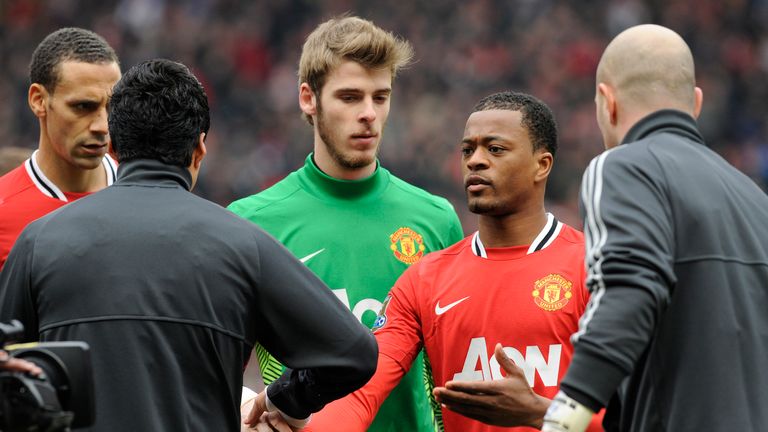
84 106
348 98
495 149
381 98
466 150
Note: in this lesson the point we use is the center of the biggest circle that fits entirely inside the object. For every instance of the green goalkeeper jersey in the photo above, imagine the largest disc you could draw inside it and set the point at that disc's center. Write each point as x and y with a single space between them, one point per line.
358 237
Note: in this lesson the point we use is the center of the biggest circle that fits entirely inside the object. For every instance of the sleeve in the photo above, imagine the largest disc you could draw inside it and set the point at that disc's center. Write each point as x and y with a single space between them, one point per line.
327 352
398 333
629 257
16 298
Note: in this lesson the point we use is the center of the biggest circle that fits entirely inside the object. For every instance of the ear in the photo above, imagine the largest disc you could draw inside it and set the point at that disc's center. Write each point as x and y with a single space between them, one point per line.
199 153
307 100
609 102
544 161
698 101
37 97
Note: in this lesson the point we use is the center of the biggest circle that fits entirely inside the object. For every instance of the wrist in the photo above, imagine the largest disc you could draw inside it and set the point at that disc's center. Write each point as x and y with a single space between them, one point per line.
566 415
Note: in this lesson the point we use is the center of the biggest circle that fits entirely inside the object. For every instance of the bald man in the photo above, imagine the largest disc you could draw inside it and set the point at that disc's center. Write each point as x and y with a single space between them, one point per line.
675 337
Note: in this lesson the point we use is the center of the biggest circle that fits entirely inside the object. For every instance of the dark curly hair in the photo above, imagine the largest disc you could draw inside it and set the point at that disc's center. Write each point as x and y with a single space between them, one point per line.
157 111
69 43
536 116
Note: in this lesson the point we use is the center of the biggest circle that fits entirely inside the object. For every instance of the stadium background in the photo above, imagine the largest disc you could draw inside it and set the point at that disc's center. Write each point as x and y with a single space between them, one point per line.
246 53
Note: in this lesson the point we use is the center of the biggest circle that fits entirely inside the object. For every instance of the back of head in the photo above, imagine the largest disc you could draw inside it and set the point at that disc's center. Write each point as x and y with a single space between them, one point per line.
537 118
157 111
67 44
651 68
350 38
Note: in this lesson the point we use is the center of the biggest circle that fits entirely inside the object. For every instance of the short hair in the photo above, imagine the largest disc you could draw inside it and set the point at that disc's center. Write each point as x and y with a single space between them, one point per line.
157 111
350 38
537 118
67 44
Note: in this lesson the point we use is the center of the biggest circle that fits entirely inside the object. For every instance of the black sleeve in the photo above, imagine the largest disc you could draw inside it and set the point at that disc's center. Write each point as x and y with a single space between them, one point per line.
327 351
15 292
629 255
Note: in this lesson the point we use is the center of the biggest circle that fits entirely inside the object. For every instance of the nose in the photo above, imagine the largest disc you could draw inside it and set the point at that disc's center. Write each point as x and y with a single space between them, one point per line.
477 160
100 125
368 112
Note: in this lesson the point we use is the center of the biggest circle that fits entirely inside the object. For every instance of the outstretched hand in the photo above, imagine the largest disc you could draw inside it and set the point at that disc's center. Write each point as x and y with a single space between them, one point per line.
509 401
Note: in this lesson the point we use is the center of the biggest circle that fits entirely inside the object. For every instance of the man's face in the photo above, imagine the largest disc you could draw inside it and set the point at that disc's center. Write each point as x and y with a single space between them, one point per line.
498 163
352 109
76 112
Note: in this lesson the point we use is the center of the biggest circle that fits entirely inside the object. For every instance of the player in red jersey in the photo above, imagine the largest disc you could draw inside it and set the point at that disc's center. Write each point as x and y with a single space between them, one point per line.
518 281
72 73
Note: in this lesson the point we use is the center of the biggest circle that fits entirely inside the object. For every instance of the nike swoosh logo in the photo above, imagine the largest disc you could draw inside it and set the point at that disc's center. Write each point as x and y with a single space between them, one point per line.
310 256
441 310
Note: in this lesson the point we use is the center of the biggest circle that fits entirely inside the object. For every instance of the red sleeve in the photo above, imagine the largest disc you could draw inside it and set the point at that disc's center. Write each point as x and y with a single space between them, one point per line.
355 412
399 336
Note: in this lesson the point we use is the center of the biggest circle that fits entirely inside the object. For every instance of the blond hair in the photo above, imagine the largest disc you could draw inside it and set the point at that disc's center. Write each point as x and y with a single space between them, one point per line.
350 38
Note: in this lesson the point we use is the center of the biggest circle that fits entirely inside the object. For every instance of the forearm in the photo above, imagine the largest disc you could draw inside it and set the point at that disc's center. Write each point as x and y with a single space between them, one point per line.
613 340
298 393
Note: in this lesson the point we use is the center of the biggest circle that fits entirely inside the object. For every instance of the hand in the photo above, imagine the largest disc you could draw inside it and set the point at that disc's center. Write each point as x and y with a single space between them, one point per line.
257 418
19 365
509 401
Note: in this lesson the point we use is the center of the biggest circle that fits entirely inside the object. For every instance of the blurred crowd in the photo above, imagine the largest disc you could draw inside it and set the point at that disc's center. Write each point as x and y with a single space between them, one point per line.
246 54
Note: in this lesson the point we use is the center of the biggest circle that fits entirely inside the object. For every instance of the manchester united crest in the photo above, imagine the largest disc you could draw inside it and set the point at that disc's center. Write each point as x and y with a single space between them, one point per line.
552 292
407 245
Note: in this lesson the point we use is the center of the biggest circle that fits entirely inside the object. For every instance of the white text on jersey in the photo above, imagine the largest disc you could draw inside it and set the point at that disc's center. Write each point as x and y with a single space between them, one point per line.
532 362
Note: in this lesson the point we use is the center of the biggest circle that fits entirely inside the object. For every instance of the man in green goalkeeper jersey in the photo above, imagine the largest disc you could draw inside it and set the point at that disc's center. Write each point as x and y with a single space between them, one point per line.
347 218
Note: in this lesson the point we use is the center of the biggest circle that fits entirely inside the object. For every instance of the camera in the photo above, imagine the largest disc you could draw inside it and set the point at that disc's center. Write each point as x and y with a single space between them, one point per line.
60 399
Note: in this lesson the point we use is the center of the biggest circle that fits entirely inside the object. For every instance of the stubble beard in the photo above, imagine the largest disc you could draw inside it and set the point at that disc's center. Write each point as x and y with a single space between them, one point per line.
344 161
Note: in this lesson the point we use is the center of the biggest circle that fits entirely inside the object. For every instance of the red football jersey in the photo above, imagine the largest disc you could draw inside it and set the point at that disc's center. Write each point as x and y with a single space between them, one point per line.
27 194
458 303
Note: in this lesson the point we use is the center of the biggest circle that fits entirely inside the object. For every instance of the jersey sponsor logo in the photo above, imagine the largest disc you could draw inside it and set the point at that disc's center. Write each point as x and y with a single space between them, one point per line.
531 362
310 256
381 319
360 307
441 310
552 292
407 245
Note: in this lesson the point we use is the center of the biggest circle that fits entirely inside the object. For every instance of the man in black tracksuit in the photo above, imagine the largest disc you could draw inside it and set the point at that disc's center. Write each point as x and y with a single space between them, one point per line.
171 291
676 334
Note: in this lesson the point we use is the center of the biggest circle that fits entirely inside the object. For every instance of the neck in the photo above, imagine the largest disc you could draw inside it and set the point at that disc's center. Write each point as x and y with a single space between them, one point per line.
516 229
70 178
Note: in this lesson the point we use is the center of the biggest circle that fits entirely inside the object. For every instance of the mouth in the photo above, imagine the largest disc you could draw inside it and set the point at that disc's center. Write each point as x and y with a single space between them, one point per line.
475 183
95 148
366 138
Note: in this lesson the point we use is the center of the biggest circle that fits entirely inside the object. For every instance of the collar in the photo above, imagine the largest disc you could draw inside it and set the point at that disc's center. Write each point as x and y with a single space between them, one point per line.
545 238
666 120
150 172
322 185
49 188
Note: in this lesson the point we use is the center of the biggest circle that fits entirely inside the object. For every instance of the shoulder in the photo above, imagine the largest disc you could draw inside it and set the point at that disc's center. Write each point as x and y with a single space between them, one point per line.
434 261
14 182
278 193
571 235
411 192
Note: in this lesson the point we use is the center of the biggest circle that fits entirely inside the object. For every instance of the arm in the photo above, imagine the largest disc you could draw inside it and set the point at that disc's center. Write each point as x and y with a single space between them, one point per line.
629 241
328 353
358 409
398 332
